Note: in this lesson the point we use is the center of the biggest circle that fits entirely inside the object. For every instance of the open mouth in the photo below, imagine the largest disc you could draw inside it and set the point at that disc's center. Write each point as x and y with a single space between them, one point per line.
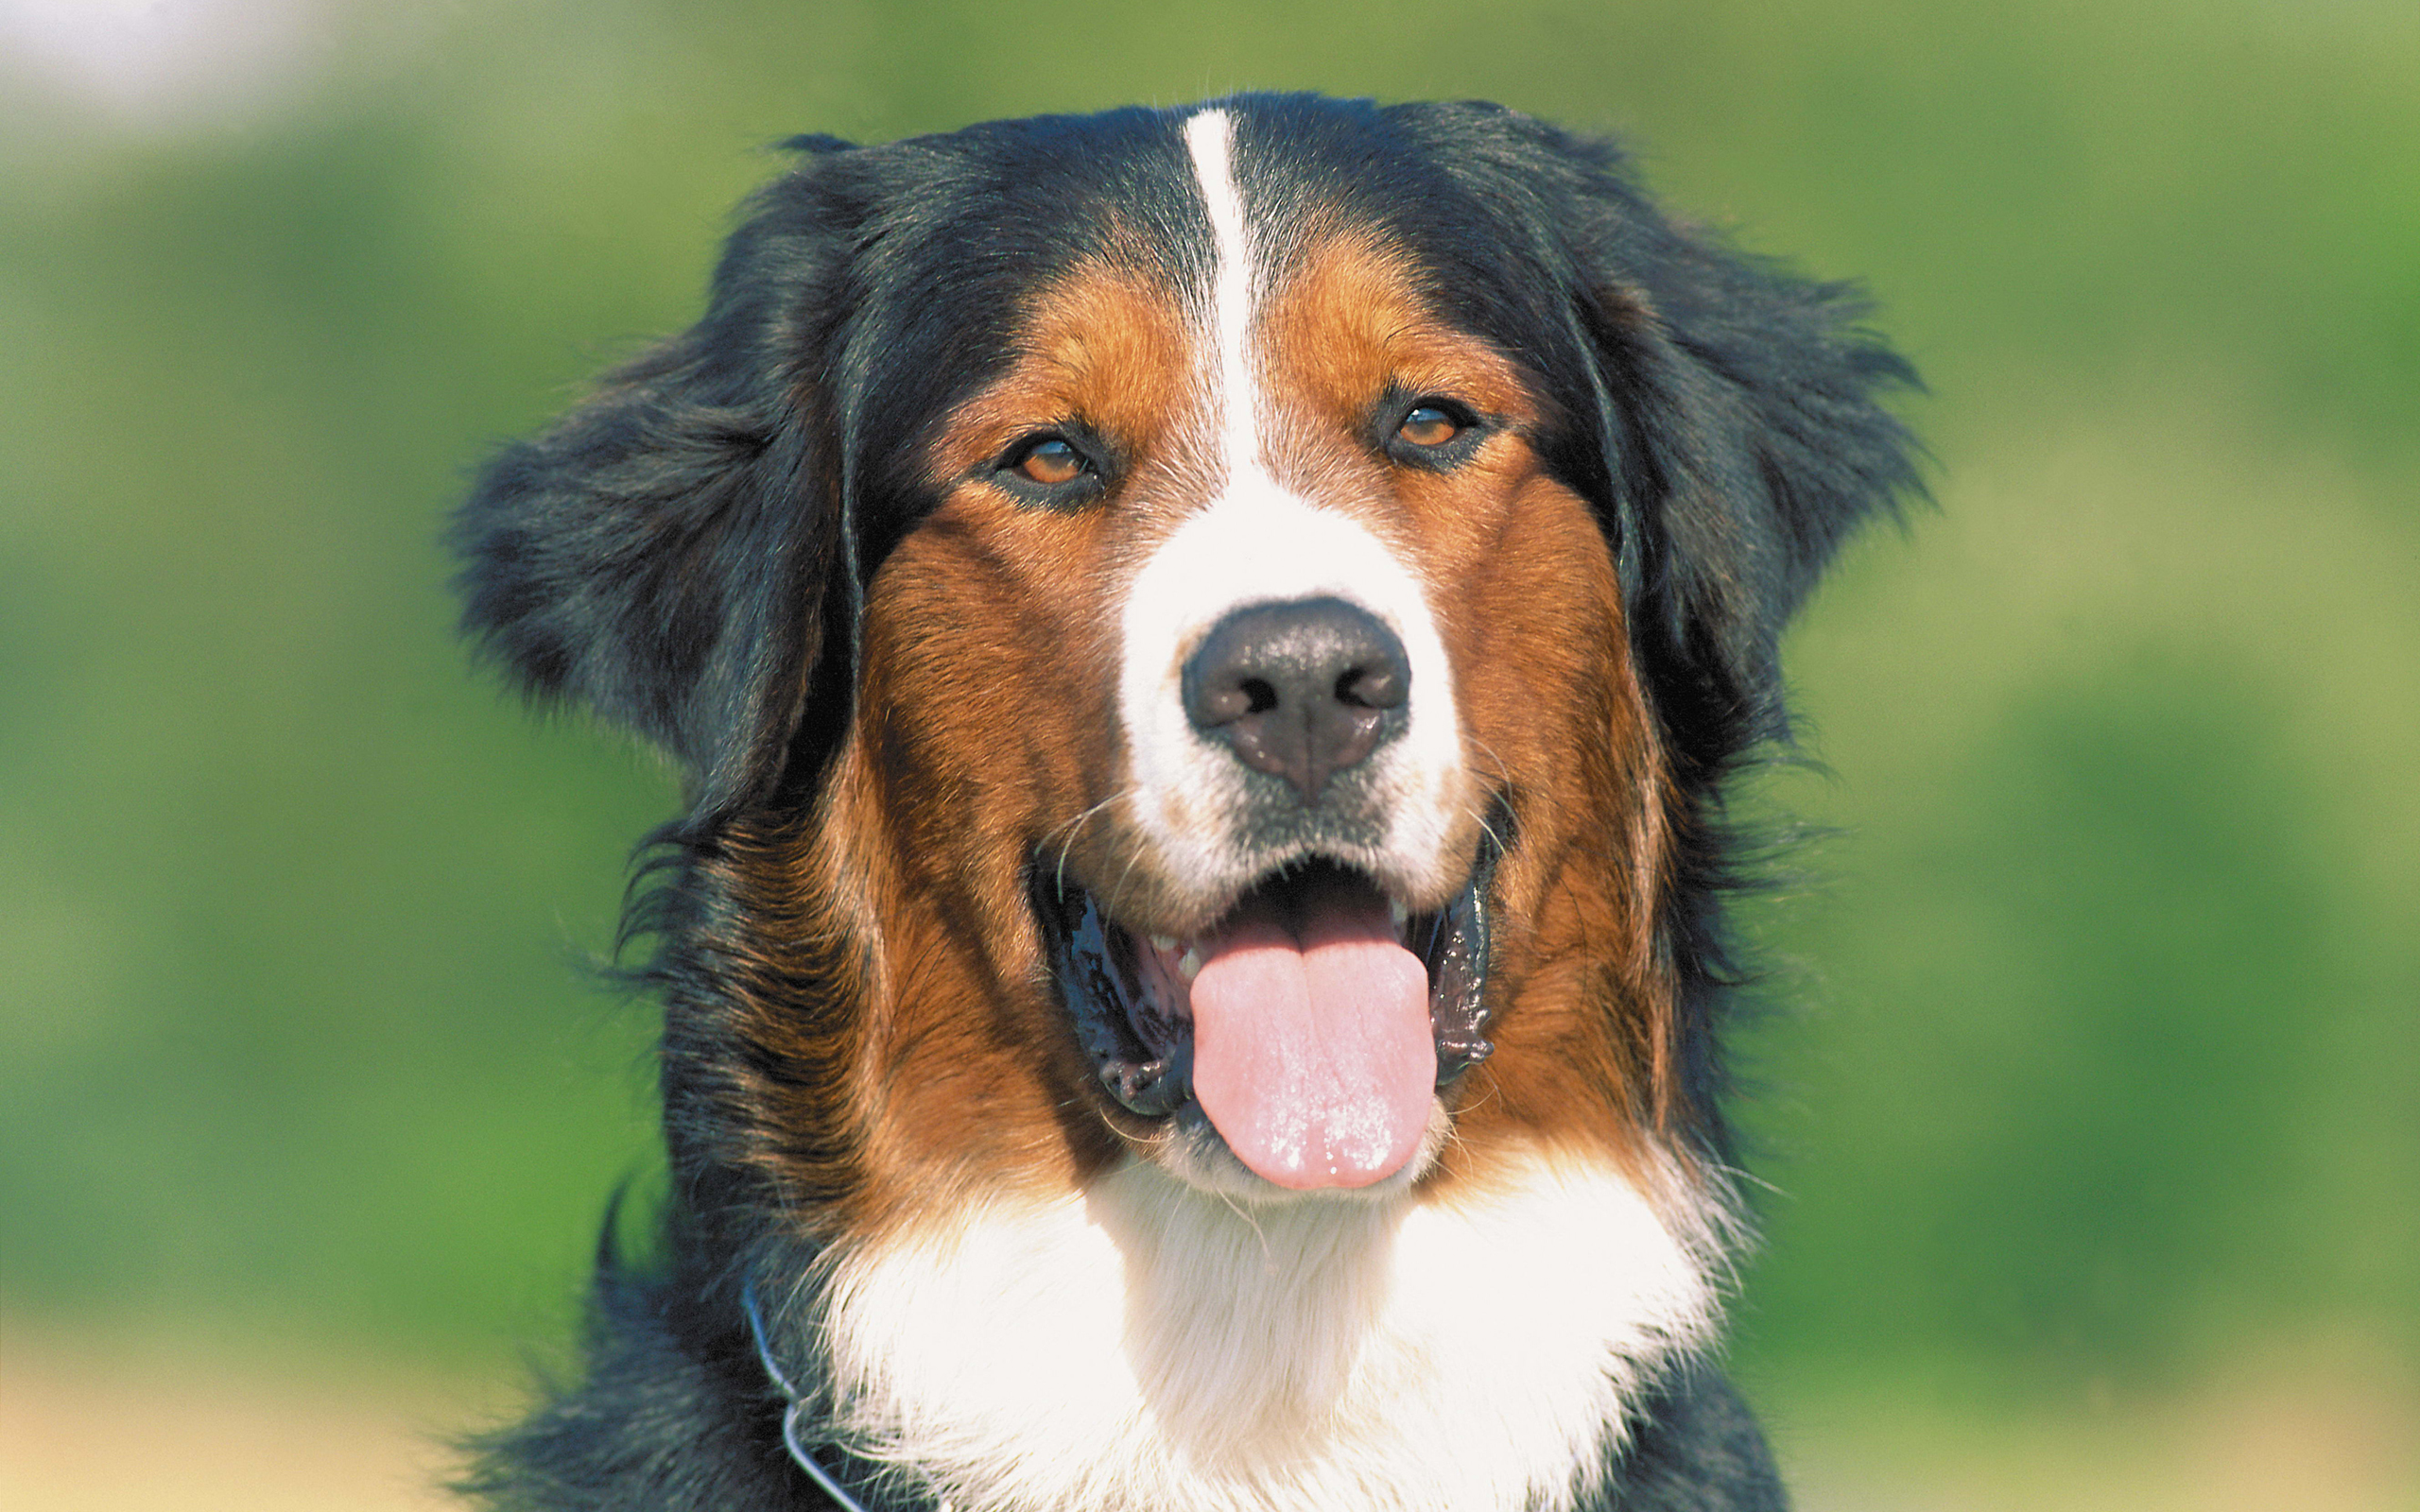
1312 1025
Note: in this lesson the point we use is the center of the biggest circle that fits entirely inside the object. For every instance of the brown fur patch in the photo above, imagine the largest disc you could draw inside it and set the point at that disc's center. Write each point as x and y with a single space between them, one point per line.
1104 347
1352 319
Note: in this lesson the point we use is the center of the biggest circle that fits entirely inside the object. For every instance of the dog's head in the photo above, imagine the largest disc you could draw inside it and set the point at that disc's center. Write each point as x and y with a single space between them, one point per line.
1200 636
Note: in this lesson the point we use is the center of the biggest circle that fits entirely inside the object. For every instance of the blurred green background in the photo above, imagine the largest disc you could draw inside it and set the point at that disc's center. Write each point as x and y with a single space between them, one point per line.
2091 1113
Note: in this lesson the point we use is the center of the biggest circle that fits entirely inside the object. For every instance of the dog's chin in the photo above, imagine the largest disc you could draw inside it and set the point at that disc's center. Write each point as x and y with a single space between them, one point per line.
1190 1148
1129 997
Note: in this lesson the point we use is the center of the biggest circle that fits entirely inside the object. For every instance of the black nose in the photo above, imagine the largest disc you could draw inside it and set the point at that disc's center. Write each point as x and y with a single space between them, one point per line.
1300 690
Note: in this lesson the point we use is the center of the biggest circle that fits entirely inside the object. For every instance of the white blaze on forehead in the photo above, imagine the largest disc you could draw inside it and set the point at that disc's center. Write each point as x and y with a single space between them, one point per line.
1259 542
1210 138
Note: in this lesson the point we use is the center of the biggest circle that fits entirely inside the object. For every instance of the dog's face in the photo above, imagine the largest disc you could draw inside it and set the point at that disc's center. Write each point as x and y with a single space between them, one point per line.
1203 638
1245 602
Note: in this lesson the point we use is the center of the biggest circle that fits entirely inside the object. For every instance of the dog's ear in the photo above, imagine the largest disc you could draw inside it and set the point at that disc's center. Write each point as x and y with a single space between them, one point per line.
662 553
1740 414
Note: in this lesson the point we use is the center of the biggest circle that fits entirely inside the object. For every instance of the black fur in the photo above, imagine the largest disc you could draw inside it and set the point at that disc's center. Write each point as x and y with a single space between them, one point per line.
685 555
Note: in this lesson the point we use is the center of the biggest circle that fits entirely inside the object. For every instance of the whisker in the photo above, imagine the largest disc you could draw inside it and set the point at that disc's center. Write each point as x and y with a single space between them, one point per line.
1132 855
1503 768
1073 827
1489 829
1503 775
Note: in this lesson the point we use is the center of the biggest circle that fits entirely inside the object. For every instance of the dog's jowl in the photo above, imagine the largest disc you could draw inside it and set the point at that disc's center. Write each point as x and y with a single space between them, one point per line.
1204 647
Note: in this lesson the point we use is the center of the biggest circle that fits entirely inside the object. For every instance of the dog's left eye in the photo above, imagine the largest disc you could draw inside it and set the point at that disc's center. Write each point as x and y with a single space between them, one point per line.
1433 433
1427 425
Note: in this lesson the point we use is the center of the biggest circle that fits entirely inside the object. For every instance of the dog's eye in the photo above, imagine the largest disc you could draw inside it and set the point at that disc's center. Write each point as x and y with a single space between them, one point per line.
1064 468
1049 461
1434 432
1427 425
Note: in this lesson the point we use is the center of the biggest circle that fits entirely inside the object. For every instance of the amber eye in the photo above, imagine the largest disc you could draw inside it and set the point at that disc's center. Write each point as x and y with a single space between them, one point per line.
1427 425
1050 461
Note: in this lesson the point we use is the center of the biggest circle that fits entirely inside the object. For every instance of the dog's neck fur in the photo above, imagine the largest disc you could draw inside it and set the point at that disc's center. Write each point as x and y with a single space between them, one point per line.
1147 1346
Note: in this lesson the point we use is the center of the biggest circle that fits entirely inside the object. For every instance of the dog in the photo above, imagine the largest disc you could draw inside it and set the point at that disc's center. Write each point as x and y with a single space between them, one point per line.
1206 647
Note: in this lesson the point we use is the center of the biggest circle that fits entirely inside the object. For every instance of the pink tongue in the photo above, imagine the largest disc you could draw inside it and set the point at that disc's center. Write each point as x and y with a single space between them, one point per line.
1312 1052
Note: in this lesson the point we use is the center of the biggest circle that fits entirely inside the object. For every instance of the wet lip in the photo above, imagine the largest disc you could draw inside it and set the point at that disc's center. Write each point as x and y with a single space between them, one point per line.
1127 994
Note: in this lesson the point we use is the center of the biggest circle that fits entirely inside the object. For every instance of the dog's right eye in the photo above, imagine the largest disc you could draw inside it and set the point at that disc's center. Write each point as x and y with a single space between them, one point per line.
1048 467
1051 461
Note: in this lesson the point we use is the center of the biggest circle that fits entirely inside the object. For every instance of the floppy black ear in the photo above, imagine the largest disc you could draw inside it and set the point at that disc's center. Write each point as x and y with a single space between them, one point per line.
661 554
1742 416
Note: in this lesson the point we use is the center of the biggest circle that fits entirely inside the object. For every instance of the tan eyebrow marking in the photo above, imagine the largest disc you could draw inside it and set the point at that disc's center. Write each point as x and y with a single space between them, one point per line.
1355 318
1103 346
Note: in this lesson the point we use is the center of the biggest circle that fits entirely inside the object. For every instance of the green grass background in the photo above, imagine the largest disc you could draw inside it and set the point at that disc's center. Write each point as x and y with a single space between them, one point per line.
2099 1065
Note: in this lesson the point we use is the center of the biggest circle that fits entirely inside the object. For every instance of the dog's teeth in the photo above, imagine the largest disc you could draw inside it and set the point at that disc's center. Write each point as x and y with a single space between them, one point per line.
1188 966
1164 942
1399 914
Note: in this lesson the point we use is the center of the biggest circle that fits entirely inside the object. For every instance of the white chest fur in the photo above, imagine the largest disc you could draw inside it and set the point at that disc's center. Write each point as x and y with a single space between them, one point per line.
1147 1346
